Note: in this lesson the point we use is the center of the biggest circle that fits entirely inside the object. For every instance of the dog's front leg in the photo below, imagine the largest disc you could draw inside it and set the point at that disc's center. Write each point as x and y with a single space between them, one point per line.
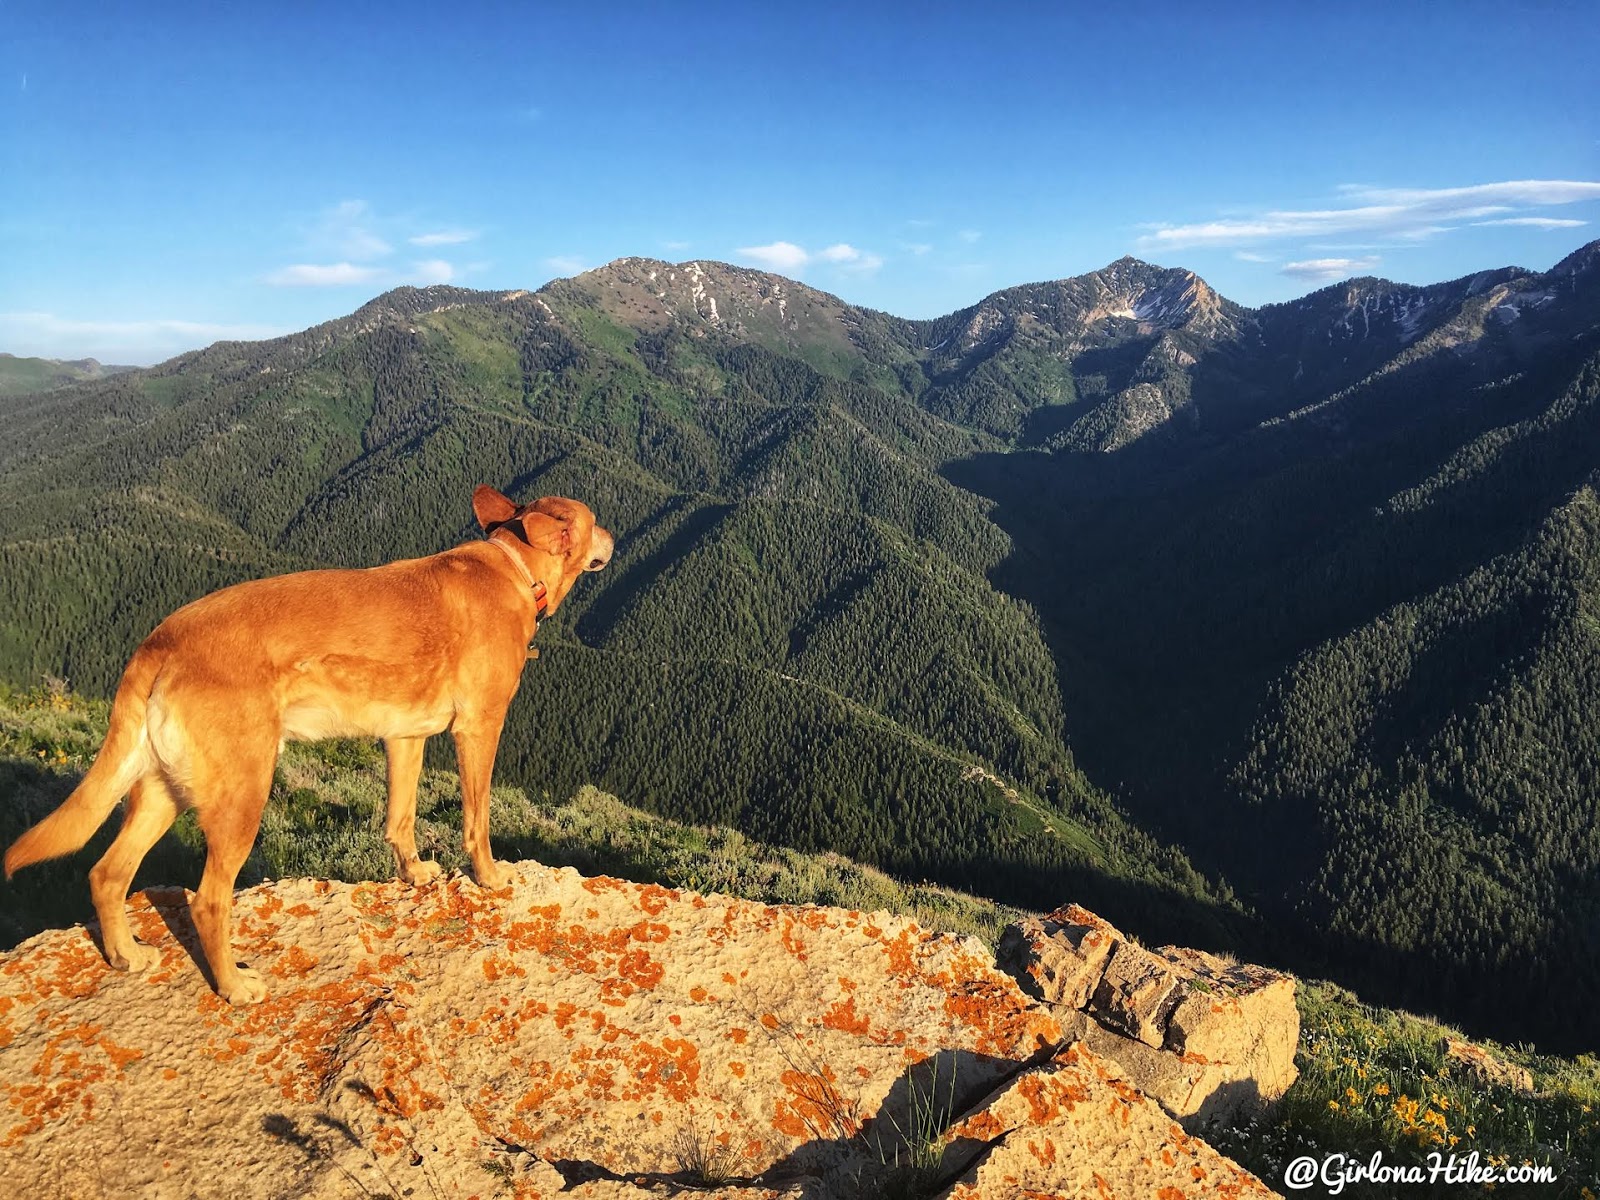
475 750
405 765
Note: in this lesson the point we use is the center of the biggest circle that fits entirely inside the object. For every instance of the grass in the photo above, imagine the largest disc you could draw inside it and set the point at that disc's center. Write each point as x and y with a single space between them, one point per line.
1371 1079
1375 1079
705 1157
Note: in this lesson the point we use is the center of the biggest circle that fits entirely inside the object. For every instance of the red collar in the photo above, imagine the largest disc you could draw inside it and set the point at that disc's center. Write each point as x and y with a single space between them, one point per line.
534 585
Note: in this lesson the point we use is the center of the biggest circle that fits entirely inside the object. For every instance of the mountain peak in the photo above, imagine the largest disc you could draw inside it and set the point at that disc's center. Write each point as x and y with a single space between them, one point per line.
1584 258
703 294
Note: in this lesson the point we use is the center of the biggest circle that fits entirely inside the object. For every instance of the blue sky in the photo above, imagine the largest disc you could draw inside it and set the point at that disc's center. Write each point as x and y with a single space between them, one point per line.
171 174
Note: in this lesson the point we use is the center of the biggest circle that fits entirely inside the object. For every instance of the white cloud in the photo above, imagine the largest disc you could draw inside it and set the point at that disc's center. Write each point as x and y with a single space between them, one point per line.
790 259
777 256
675 247
848 258
1536 222
128 342
1326 270
1251 256
917 248
444 237
969 235
433 270
342 274
1393 212
565 264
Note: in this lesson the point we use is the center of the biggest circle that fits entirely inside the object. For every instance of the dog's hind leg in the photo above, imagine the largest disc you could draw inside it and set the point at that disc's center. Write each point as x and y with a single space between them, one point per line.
229 800
150 812
405 765
475 750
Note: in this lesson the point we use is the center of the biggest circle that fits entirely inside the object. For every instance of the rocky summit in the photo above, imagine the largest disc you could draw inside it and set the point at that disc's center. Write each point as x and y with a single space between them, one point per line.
565 1036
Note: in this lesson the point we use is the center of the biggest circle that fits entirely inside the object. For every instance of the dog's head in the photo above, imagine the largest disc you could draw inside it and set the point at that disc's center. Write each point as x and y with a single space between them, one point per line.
551 528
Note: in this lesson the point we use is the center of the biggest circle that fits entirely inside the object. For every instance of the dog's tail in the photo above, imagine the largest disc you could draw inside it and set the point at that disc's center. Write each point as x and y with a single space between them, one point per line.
123 758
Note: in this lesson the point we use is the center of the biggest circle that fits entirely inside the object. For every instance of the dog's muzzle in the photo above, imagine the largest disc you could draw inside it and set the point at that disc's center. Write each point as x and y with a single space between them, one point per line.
601 546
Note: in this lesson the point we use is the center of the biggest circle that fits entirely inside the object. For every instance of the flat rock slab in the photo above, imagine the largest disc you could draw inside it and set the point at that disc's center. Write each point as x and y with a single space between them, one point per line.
566 1035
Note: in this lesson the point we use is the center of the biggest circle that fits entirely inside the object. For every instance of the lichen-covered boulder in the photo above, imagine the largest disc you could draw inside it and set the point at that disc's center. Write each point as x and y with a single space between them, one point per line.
1212 1039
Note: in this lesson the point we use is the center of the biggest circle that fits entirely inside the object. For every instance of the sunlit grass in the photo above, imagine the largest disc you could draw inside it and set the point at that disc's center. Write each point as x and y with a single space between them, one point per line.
1376 1079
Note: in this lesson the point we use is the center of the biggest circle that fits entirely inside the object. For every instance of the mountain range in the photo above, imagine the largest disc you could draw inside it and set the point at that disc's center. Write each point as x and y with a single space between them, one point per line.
1274 628
19 375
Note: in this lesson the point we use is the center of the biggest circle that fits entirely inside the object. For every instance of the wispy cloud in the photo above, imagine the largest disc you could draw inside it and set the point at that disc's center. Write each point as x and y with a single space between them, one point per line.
137 342
917 248
1387 212
349 243
1537 222
675 247
1251 256
444 237
970 235
790 259
1326 270
345 230
341 274
566 264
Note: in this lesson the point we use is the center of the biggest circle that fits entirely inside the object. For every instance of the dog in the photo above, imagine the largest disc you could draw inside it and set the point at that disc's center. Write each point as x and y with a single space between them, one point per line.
396 652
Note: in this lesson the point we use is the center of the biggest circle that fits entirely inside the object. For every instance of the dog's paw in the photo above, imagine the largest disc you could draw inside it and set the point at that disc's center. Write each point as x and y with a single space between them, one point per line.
497 876
137 957
246 987
421 871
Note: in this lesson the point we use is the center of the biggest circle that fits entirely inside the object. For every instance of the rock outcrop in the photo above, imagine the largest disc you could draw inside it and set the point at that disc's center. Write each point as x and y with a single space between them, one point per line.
566 1035
1486 1069
1210 1039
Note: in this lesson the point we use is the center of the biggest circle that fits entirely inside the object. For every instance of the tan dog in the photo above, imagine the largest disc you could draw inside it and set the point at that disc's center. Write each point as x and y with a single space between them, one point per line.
397 652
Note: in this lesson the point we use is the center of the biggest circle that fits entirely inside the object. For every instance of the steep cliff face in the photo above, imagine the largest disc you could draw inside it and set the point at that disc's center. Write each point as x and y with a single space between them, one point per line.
567 1035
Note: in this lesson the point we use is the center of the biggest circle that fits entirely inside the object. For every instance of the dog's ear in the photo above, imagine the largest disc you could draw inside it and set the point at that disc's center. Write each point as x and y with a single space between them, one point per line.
561 508
548 533
490 507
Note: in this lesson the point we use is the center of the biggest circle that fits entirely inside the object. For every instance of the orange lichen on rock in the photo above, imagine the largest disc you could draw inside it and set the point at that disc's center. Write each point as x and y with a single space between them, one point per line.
814 1106
586 1020
654 898
843 1017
